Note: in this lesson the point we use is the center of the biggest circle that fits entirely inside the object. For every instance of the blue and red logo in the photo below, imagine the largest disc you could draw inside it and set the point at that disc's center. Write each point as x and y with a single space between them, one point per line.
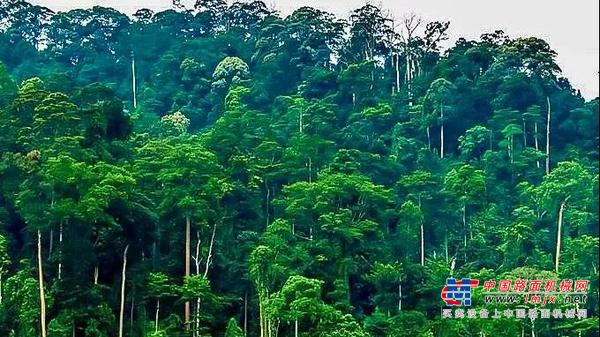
458 292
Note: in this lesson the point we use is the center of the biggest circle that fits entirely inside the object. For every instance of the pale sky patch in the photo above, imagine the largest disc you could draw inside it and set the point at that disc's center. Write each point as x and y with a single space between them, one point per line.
571 27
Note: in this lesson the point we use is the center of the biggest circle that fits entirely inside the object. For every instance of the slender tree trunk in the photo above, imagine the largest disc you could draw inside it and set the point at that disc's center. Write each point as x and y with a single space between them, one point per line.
464 221
188 229
535 140
41 284
548 137
442 131
156 315
422 245
524 133
132 311
96 272
197 318
268 201
397 73
428 139
511 152
210 250
261 318
1 271
133 81
446 248
60 244
51 246
399 297
296 328
197 307
558 233
246 314
123 280
408 77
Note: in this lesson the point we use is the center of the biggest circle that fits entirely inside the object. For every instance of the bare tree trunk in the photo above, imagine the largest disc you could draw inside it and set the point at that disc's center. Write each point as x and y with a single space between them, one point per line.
442 131
133 81
246 314
397 73
197 309
296 328
156 315
41 284
428 139
123 280
399 297
1 271
422 245
558 234
446 248
511 151
268 200
131 312
464 221
309 169
60 243
535 139
188 229
408 77
51 246
548 137
524 133
261 315
210 250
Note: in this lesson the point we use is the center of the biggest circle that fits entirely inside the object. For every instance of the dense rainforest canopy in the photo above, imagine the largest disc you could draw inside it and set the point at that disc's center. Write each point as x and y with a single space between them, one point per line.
221 170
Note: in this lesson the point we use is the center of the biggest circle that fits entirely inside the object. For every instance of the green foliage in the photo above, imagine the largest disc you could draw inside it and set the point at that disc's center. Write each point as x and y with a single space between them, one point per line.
233 329
284 173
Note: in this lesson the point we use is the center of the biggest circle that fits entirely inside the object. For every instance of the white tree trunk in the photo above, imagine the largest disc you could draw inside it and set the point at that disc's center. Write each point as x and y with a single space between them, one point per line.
133 81
296 328
188 228
397 73
210 250
558 233
60 243
422 245
428 139
41 284
399 297
156 315
123 280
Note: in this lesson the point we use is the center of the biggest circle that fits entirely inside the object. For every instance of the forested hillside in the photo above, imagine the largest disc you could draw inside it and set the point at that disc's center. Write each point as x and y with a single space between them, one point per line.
223 170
